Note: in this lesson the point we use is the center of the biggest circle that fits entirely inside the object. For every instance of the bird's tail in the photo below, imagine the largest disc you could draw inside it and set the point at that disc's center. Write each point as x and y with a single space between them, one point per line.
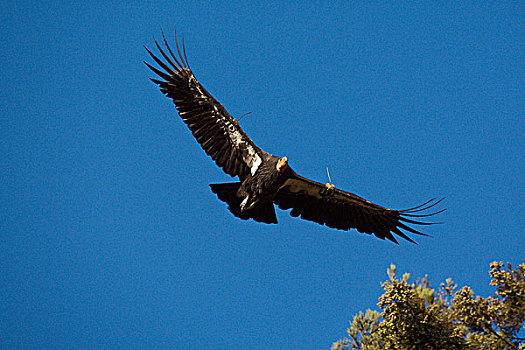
261 212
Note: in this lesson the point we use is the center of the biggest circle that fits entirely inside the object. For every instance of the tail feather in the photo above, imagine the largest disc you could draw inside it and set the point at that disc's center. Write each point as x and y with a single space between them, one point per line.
262 212
227 192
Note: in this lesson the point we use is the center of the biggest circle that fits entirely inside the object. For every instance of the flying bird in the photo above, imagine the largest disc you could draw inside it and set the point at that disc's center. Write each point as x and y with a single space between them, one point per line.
266 180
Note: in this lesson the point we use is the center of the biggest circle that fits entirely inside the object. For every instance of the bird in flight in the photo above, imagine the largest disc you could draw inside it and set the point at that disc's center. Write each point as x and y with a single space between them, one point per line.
266 180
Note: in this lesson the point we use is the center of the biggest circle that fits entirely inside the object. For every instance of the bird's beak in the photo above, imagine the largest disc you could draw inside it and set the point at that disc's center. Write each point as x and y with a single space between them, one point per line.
282 164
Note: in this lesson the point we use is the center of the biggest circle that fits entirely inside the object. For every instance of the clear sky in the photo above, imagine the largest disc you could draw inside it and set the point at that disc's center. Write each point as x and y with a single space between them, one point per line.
110 235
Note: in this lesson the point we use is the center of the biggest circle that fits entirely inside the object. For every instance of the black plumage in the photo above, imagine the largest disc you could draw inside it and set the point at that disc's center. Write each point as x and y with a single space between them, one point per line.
265 179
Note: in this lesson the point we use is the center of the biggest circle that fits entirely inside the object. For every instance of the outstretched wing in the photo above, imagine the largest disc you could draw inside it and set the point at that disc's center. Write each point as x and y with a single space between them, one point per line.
342 210
218 133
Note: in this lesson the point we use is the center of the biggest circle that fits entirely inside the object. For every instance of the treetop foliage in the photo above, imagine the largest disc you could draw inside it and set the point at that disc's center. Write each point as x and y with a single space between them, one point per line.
416 316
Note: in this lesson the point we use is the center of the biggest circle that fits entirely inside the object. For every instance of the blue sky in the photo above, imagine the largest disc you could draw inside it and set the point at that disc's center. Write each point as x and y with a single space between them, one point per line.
110 235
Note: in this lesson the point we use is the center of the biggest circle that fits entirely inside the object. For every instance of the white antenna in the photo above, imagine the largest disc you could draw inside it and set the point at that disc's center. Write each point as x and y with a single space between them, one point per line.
328 173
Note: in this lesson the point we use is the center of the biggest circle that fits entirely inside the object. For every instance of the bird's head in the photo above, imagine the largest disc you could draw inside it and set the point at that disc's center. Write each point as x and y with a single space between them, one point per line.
282 164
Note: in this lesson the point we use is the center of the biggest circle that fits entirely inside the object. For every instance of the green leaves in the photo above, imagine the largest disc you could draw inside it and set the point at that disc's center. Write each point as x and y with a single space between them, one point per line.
362 333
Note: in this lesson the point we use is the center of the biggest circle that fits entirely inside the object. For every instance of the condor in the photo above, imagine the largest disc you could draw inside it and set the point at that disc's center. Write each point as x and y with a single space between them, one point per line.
265 179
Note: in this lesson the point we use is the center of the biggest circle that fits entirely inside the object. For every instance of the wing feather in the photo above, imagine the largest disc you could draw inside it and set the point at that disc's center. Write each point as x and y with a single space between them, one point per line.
343 210
218 133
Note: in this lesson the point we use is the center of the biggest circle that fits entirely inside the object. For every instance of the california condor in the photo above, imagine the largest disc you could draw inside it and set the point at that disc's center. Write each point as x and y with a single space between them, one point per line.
266 179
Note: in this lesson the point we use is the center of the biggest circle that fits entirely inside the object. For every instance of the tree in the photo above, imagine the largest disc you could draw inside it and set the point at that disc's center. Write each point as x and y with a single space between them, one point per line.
415 316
